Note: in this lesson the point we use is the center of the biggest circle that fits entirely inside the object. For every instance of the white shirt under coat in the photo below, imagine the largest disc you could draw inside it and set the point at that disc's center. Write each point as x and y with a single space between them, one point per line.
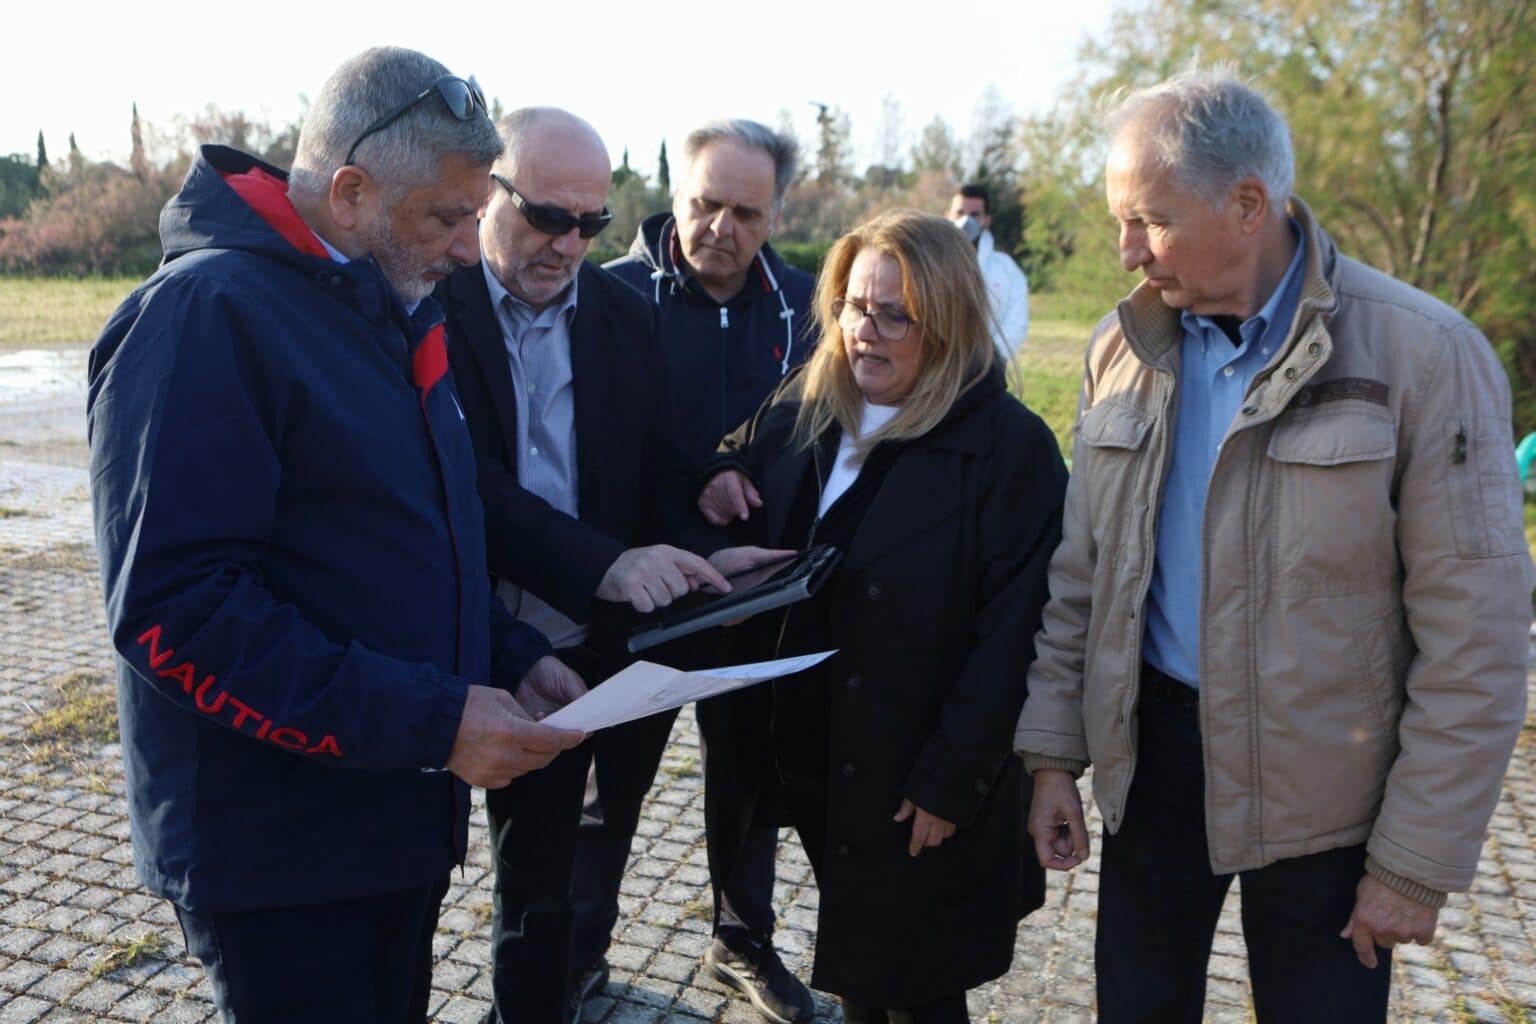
846 467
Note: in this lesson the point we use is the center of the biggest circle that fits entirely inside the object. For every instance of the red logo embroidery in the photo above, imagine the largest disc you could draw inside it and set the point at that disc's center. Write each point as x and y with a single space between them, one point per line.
213 703
430 363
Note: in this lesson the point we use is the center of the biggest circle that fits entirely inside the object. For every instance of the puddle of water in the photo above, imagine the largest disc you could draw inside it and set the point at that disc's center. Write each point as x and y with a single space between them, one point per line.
33 372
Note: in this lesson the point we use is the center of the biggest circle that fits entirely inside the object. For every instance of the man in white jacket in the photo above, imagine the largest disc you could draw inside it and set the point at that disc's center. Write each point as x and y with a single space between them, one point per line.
970 212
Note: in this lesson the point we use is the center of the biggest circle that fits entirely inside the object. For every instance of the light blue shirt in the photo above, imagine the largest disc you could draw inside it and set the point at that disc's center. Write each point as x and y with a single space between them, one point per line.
1214 376
538 347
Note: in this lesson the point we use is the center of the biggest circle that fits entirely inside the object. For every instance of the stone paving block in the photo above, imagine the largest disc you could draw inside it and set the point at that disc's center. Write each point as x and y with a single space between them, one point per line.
1474 965
692 944
474 951
59 865
23 883
17 941
23 1010
201 989
138 1007
19 975
98 996
175 978
59 919
459 1010
59 983
480 987
453 976
59 949
184 1012
672 967
134 905
64 1015
94 846
1223 990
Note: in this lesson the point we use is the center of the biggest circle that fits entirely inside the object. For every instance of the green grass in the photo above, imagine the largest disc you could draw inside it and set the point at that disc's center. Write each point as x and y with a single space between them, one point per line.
122 953
81 718
1048 373
1530 529
36 311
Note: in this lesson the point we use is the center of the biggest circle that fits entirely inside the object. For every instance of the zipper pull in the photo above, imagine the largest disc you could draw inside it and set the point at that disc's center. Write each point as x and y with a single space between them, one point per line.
1459 452
725 319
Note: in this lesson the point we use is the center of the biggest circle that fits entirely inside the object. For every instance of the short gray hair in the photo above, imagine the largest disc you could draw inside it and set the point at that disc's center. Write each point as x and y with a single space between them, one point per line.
402 156
1212 130
781 148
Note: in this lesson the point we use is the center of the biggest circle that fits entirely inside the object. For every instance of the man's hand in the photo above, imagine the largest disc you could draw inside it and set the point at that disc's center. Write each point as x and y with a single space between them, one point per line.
927 829
650 578
497 741
728 495
549 686
1385 917
1056 821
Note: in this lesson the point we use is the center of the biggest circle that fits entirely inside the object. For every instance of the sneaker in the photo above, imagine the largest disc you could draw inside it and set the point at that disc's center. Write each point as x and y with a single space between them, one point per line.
584 985
751 966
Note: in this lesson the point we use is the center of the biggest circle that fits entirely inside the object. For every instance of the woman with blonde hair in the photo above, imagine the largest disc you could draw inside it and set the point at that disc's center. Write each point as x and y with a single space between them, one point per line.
899 444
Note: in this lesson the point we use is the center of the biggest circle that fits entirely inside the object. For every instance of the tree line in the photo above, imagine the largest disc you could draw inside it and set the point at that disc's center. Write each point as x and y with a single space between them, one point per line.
1413 124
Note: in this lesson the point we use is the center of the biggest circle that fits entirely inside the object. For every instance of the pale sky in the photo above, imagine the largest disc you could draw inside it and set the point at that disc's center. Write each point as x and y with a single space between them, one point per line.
637 71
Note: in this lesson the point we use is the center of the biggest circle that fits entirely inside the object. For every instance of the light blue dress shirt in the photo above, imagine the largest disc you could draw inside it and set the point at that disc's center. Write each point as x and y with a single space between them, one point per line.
1214 376
538 346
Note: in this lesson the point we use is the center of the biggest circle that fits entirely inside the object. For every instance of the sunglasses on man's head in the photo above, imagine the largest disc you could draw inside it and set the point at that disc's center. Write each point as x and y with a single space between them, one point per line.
461 96
551 220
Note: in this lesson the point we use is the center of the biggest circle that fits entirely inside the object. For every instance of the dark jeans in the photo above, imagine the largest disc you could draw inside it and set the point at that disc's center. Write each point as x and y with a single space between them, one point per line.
741 851
1159 901
533 827
558 867
363 961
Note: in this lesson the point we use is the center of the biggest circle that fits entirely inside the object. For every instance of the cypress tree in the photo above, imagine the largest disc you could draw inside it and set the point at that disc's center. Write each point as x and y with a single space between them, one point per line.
137 161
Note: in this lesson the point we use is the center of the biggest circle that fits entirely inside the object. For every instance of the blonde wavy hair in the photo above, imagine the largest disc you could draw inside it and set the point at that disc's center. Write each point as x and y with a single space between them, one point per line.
942 290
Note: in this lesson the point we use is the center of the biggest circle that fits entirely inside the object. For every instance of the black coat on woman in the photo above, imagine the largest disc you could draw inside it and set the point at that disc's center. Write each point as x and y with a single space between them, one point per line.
934 609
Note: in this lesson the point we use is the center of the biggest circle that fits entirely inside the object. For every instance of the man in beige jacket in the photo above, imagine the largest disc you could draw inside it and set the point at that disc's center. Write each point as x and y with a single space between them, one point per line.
1289 611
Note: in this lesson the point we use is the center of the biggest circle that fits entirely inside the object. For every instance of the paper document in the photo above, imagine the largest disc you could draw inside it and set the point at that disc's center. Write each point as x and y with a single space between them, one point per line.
645 688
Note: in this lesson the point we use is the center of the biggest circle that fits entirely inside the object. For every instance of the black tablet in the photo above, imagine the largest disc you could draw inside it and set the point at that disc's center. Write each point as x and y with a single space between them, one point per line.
758 589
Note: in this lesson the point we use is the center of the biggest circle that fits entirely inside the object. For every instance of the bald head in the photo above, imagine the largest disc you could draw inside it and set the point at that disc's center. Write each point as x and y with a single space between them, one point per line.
549 135
553 159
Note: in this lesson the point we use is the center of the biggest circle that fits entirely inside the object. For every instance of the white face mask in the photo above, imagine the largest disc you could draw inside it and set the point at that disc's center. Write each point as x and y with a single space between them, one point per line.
968 224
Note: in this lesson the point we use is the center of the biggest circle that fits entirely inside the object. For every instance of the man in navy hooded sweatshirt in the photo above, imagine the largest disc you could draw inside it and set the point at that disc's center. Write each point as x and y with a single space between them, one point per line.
734 320
312 669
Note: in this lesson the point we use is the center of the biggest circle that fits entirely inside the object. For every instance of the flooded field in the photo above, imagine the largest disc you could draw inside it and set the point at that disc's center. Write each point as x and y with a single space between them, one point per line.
41 372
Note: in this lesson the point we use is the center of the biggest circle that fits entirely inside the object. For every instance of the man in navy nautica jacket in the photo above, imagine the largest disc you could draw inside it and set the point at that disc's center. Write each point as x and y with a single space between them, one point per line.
293 555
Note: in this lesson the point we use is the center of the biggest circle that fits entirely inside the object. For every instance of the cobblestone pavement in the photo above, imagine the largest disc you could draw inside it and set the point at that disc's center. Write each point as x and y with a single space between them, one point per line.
81 941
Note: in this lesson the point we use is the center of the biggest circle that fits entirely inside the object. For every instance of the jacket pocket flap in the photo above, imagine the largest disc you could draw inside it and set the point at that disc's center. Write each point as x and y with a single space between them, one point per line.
1334 439
1108 425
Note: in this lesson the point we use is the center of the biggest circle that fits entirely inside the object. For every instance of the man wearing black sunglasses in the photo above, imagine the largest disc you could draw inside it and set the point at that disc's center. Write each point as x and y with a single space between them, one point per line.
312 668
560 369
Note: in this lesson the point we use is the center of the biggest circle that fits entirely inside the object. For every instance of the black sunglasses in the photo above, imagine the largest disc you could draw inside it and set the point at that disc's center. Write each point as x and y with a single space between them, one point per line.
461 96
552 220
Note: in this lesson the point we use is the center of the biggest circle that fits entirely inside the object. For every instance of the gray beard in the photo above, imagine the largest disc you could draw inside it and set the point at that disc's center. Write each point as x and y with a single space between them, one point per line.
404 271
